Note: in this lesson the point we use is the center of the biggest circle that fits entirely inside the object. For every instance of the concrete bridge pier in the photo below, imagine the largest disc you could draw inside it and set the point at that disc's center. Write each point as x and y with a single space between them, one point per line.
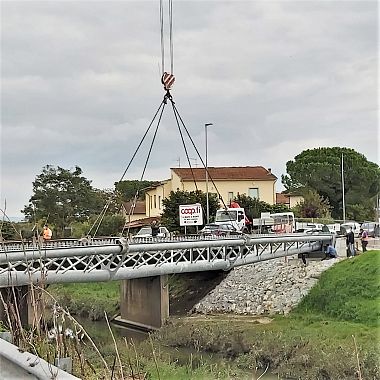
21 304
144 302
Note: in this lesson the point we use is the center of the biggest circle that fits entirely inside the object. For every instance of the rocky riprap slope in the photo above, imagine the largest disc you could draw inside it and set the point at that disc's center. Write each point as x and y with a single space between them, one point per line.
269 287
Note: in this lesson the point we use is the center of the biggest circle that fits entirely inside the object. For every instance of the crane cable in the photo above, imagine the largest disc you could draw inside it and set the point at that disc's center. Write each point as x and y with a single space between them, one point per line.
162 35
100 217
176 113
146 162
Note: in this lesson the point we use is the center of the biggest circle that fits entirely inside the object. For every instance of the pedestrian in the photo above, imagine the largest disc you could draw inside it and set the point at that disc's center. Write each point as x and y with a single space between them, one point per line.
47 233
364 239
350 242
330 253
155 228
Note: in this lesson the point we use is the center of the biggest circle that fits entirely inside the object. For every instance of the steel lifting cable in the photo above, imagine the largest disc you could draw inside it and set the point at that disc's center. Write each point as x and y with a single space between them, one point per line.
167 77
162 38
100 217
171 36
196 150
184 147
147 159
162 32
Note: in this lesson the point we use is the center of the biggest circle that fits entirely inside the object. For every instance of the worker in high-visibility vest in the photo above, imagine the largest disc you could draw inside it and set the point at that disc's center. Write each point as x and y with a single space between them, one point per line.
47 233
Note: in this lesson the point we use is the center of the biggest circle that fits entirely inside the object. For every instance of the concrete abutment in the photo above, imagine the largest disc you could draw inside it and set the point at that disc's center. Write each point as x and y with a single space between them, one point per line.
145 301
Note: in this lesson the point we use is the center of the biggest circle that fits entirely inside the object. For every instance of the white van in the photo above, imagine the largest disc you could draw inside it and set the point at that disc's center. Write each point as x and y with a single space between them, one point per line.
146 232
344 228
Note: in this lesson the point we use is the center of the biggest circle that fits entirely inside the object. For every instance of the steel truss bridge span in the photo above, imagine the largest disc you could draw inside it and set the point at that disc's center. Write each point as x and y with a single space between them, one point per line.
120 259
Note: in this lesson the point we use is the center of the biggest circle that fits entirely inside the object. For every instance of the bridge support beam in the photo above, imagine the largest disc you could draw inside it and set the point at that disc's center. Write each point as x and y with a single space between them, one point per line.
21 305
145 301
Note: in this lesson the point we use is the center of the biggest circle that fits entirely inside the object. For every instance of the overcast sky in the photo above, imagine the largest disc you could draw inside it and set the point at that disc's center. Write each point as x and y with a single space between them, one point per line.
80 83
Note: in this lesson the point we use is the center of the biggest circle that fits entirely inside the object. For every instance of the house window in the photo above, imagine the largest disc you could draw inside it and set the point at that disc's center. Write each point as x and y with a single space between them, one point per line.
253 192
230 196
155 201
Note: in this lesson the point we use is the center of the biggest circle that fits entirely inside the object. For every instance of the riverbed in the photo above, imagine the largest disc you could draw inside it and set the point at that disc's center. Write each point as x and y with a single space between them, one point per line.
99 332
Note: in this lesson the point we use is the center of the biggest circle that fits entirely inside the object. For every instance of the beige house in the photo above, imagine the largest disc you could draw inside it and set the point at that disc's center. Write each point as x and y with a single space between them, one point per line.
254 181
289 199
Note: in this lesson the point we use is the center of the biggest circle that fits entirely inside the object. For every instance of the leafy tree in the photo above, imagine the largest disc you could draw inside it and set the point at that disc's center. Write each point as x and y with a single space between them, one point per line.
170 216
320 169
361 212
111 225
254 207
7 231
312 206
62 196
126 190
279 208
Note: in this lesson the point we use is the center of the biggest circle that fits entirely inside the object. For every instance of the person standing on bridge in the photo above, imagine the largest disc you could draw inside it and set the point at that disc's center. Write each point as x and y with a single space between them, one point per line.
47 233
350 241
155 228
364 239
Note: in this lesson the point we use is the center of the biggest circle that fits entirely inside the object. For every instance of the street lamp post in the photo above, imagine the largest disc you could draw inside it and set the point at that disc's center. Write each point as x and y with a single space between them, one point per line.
206 162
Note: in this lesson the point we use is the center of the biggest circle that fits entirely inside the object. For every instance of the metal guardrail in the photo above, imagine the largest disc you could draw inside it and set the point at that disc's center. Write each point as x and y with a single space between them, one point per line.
116 258
18 364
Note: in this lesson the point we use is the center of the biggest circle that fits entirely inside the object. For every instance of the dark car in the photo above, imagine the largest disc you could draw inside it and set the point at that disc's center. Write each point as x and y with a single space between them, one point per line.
219 230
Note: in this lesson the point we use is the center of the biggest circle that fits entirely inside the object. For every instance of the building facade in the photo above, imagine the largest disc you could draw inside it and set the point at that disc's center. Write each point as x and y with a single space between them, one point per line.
254 181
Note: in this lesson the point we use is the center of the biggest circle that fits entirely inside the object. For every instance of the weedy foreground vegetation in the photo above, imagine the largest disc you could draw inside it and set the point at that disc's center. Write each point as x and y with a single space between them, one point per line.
332 334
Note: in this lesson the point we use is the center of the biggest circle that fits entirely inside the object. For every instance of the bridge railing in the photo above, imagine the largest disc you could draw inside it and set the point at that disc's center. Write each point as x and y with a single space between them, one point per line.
118 258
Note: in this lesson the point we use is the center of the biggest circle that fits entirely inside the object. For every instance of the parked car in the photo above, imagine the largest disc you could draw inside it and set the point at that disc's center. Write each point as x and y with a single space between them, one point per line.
369 227
146 232
219 230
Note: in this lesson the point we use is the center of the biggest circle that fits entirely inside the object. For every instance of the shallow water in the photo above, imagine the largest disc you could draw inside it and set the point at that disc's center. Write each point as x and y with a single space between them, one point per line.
99 332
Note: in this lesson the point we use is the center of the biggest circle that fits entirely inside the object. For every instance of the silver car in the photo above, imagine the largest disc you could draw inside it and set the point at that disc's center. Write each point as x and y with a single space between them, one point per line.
369 227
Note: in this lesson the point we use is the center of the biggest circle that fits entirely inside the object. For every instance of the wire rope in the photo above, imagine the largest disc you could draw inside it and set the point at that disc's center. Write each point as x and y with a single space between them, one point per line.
100 217
171 36
148 156
184 147
162 38
197 151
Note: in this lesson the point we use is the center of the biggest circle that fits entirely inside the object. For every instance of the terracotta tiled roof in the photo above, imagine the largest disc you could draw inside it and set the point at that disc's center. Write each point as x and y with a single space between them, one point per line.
282 198
142 222
139 208
226 173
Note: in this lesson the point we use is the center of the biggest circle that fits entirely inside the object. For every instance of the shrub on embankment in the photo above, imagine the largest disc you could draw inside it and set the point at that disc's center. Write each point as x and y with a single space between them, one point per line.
349 291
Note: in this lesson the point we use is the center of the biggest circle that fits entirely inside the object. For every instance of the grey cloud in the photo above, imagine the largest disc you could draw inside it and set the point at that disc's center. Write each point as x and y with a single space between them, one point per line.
81 82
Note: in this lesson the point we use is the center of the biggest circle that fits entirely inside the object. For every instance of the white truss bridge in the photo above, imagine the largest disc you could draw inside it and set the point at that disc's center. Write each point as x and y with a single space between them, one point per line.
115 258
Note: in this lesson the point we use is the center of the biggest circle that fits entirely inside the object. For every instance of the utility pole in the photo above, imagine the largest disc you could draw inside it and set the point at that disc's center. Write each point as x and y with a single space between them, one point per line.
343 198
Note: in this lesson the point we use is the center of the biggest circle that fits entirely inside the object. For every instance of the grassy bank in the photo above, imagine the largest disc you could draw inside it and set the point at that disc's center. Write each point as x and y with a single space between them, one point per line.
333 333
88 300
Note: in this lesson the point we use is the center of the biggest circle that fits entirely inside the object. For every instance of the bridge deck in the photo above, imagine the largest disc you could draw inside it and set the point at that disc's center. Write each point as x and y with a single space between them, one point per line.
115 258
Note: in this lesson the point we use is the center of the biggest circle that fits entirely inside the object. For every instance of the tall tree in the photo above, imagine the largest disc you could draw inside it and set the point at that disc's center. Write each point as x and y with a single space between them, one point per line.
312 206
253 207
62 196
170 216
320 169
126 190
